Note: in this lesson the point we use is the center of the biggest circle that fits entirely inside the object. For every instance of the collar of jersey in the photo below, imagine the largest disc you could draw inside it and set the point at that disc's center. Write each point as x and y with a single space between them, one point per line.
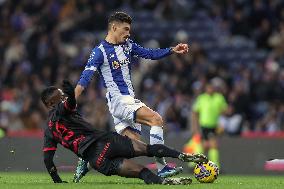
113 43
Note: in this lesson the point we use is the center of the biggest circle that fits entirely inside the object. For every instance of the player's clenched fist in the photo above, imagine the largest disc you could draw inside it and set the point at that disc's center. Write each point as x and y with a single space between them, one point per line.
180 48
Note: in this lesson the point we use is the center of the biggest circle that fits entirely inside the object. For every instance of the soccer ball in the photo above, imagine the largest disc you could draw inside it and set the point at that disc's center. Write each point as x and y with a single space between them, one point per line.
206 172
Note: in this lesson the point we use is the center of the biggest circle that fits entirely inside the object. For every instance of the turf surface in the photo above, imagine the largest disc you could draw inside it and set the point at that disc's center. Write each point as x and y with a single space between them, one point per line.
42 180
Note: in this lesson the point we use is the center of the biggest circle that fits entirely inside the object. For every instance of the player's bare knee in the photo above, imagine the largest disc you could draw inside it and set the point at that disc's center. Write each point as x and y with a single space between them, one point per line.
156 120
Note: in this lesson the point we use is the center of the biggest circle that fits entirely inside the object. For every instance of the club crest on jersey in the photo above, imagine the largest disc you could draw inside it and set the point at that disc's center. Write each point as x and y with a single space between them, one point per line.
115 65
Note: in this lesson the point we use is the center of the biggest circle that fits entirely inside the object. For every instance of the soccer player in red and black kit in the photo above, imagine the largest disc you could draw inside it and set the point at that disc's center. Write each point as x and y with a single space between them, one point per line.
107 152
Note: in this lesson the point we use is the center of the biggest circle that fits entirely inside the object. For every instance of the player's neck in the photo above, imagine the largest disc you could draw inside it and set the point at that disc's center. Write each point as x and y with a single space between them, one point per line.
111 39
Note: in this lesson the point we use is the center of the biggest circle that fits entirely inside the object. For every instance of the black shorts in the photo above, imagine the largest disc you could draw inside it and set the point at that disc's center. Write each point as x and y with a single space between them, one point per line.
107 153
208 133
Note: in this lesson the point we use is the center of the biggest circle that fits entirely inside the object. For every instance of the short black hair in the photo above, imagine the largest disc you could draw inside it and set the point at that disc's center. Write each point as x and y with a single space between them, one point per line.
46 93
120 17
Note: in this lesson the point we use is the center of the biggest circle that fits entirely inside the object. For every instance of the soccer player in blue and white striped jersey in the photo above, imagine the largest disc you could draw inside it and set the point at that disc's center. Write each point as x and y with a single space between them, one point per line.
113 58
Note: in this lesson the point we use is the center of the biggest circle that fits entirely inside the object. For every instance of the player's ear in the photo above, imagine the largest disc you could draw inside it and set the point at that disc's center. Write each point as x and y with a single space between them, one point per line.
113 27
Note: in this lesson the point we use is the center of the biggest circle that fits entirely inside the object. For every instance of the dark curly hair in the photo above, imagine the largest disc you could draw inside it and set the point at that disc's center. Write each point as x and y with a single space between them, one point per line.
119 17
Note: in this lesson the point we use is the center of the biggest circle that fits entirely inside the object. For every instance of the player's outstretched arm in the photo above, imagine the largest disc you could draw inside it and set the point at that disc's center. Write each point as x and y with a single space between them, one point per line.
155 54
148 53
51 168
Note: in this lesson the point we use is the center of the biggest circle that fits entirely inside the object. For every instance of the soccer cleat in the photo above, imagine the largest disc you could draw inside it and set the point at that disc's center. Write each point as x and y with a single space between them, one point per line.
177 181
81 170
196 158
169 171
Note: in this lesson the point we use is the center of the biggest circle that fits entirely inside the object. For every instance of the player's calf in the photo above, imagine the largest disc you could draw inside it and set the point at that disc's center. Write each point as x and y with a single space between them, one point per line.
160 150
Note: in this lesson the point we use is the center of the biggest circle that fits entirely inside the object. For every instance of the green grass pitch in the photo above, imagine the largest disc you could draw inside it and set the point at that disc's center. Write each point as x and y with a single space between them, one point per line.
11 180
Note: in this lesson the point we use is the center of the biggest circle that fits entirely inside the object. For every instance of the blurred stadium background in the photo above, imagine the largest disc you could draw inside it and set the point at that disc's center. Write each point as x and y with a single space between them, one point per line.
236 44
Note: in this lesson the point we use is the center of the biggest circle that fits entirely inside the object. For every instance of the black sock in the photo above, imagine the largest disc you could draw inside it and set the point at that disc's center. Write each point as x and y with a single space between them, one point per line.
160 150
149 177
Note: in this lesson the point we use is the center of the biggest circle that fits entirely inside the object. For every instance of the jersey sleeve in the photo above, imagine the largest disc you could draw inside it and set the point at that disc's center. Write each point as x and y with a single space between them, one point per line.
49 143
95 60
147 53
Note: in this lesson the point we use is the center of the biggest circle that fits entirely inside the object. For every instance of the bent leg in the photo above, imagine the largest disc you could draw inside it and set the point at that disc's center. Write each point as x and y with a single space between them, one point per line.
147 116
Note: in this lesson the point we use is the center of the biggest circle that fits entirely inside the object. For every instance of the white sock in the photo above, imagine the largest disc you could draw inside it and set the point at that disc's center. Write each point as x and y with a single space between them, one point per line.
157 137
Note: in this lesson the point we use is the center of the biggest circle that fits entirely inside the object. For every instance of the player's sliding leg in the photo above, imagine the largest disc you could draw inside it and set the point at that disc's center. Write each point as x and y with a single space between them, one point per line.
131 169
159 150
142 149
145 115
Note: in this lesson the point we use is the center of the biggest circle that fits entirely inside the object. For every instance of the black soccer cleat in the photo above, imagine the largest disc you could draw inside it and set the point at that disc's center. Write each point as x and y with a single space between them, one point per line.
196 158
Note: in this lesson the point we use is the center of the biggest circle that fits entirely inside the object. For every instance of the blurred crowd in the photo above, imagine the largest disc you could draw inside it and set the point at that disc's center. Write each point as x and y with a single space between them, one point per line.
43 42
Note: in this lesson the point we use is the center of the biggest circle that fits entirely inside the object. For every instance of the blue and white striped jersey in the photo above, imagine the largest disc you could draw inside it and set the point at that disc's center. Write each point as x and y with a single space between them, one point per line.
113 62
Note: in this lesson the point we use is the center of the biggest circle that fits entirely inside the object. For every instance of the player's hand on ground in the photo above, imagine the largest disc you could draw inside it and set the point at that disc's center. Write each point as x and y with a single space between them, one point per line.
181 48
68 88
